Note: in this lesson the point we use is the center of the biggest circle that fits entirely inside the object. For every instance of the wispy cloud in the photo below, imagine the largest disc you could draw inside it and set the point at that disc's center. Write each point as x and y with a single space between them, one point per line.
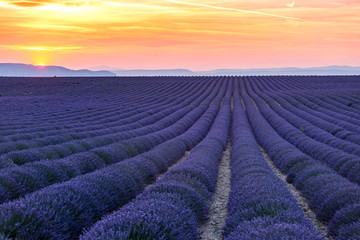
53 27
292 4
136 5
41 48
38 3
179 30
42 4
232 9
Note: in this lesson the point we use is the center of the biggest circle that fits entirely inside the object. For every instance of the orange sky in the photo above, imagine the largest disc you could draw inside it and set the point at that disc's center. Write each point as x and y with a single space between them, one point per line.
197 34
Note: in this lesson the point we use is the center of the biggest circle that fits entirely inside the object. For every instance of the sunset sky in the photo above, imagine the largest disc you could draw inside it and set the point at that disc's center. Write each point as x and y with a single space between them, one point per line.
193 34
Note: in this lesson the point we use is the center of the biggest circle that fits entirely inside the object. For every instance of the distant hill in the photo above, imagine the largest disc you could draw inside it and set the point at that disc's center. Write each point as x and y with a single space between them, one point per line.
329 70
160 72
28 70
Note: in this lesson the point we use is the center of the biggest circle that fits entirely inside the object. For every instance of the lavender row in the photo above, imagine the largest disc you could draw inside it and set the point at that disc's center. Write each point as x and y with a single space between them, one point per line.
326 122
260 205
325 104
79 105
113 112
347 165
304 124
328 109
123 99
319 83
344 101
350 101
97 116
306 106
42 140
61 211
172 208
336 127
130 118
347 110
315 117
133 122
340 91
68 148
17 181
328 193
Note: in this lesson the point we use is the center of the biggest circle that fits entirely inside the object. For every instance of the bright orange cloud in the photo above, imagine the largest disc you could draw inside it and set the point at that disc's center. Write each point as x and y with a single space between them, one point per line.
26 4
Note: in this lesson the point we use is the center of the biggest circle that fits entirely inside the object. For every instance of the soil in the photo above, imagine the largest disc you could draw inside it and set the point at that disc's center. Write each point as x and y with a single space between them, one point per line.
319 225
212 229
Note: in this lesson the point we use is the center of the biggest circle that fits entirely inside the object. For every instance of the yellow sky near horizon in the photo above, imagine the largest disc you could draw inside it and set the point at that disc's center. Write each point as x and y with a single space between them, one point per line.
197 34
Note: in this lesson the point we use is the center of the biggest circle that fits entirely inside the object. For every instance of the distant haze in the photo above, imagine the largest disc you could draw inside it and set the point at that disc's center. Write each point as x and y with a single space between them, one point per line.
25 70
329 70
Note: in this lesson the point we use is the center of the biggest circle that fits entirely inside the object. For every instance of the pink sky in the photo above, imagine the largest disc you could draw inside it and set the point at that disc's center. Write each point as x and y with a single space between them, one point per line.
198 35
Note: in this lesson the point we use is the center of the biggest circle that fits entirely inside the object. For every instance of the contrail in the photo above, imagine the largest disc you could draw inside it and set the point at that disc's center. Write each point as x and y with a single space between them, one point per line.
232 9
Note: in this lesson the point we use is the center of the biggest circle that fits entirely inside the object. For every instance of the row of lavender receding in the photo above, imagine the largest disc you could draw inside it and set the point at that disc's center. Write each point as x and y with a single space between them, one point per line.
172 208
103 114
163 119
62 211
119 120
91 106
33 176
334 198
338 159
260 205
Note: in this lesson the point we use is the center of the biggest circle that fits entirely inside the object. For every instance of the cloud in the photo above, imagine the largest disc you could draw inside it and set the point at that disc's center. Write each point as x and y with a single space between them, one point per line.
136 5
41 48
25 4
53 27
292 4
231 9
40 3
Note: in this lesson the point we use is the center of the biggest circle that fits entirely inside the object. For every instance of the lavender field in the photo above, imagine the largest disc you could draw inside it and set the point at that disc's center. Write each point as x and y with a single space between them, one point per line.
271 157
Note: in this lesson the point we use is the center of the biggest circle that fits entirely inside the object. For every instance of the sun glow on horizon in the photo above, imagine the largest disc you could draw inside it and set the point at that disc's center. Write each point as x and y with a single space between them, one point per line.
41 65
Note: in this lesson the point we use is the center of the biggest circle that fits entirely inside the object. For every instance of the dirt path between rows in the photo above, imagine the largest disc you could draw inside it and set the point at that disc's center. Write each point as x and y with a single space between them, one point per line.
212 229
320 226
